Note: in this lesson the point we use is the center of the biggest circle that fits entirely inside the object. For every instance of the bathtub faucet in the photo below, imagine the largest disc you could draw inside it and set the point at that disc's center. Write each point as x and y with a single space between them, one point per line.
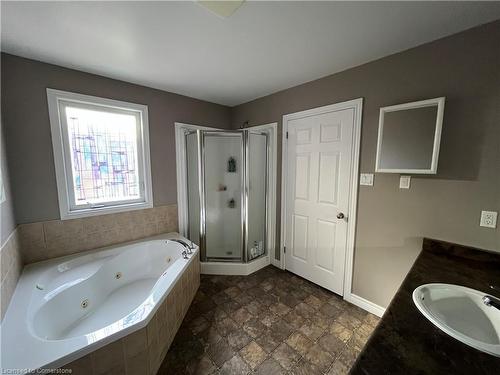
188 248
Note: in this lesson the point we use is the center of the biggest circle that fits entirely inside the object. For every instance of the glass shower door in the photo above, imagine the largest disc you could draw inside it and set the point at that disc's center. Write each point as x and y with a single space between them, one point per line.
223 177
256 185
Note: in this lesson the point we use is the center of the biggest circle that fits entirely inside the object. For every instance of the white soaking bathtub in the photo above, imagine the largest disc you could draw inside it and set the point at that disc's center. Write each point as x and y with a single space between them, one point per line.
67 307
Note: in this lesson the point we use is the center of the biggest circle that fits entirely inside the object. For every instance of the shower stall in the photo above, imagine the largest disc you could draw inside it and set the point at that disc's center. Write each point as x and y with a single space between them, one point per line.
227 175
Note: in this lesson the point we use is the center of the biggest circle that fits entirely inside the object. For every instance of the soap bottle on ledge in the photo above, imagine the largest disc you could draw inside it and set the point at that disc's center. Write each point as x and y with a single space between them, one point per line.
231 165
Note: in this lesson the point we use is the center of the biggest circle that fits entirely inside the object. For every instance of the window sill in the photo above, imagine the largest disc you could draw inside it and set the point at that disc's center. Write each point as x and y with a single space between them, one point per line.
105 210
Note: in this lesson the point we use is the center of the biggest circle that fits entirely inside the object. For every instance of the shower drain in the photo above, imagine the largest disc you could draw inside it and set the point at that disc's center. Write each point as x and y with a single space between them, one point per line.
84 304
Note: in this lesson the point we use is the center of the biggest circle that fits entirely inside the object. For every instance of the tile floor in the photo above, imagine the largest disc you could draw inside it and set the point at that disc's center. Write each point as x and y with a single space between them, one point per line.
271 322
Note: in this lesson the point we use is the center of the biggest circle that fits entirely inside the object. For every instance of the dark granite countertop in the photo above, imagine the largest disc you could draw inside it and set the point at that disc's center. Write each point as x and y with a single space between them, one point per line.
405 342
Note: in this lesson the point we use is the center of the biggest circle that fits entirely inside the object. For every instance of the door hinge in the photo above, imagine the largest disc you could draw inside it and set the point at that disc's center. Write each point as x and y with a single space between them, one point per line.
284 249
286 135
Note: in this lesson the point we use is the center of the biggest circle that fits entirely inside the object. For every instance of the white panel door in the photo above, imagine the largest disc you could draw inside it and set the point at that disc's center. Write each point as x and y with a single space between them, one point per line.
319 150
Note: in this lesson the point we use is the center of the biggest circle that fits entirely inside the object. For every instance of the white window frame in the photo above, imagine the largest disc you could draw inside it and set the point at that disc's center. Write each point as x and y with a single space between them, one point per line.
57 100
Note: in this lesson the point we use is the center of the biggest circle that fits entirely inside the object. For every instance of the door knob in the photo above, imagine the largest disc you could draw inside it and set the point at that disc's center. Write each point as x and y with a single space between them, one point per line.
340 215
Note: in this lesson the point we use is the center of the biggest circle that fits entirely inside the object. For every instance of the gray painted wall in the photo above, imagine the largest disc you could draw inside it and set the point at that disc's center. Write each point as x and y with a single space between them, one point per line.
392 222
7 221
27 128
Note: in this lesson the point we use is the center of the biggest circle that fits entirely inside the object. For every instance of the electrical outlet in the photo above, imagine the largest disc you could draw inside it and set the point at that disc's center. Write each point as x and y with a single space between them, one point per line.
488 219
366 179
404 182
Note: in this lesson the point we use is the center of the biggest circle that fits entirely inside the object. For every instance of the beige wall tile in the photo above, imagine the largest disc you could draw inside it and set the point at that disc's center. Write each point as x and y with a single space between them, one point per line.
11 265
32 242
55 238
108 359
138 364
135 343
82 366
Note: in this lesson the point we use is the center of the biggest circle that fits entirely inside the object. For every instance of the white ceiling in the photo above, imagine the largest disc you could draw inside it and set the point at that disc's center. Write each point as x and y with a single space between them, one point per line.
262 48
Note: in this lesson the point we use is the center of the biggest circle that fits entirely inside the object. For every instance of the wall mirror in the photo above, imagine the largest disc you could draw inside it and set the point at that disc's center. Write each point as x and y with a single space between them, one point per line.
408 137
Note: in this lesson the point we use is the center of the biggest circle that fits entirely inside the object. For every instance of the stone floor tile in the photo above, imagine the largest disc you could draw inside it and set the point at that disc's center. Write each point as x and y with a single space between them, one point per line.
312 331
365 330
268 318
226 326
319 357
243 299
330 310
233 292
299 342
348 321
270 367
238 339
348 356
254 328
281 329
371 320
332 344
357 341
341 332
241 315
220 298
253 354
290 300
279 309
220 352
314 302
305 310
307 328
235 366
268 341
356 311
286 356
209 336
305 368
295 320
198 324
337 301
201 366
266 285
230 307
255 307
322 320
338 368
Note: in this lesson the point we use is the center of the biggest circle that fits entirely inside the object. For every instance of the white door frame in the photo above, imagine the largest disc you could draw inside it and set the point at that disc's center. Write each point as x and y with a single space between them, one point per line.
357 106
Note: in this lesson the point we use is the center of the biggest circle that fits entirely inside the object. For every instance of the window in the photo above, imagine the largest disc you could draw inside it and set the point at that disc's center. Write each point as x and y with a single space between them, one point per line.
101 154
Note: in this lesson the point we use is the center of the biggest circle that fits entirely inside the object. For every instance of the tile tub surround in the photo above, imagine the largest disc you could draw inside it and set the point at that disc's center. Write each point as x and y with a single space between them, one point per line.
11 263
142 352
55 238
405 342
270 322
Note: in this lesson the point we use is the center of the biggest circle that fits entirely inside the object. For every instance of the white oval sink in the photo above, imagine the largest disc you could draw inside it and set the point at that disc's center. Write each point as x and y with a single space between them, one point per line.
461 313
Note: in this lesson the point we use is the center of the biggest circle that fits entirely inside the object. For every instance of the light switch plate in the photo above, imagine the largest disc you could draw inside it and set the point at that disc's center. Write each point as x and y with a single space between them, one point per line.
404 182
366 179
488 219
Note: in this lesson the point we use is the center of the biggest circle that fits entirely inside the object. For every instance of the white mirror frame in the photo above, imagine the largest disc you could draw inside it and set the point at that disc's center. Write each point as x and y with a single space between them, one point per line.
439 102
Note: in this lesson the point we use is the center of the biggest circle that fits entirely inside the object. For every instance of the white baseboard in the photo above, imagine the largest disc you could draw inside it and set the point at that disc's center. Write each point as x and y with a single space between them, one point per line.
276 263
227 268
365 304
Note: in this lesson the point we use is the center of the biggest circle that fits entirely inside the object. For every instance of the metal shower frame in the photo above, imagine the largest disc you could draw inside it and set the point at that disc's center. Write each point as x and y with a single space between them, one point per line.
245 157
